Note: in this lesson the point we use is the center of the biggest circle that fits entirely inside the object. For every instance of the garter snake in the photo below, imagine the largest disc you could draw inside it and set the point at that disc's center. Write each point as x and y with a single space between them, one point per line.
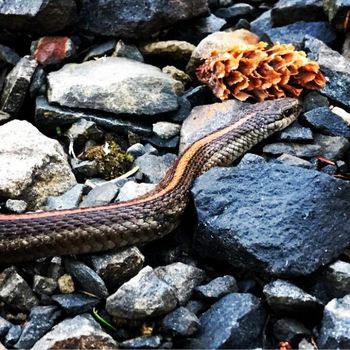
28 236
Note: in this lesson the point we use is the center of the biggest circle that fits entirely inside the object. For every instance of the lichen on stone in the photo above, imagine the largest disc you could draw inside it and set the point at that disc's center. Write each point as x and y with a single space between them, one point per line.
111 160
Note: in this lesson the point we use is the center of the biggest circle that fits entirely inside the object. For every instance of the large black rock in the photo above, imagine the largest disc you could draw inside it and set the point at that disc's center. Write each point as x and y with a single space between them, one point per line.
274 219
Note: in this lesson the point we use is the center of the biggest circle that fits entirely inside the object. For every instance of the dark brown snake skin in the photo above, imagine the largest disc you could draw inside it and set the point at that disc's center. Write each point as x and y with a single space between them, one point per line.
29 236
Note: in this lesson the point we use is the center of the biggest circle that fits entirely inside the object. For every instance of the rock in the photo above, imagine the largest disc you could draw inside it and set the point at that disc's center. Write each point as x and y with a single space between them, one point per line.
44 161
166 130
235 321
286 298
196 307
49 116
80 332
44 285
41 320
294 149
101 50
83 131
174 49
290 11
17 84
86 278
335 329
181 322
342 113
306 345
43 16
200 95
234 12
219 41
100 195
144 342
131 190
16 206
217 288
295 33
270 241
177 74
75 303
182 278
159 142
66 284
69 199
4 116
296 133
8 55
128 20
314 100
332 147
4 327
13 335
127 51
117 267
145 295
289 329
288 159
334 66
15 291
113 84
346 46
337 11
329 169
325 121
154 167
50 50
136 150
262 24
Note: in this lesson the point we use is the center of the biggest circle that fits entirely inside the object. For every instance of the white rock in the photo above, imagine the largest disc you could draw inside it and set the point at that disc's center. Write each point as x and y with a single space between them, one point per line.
166 130
131 190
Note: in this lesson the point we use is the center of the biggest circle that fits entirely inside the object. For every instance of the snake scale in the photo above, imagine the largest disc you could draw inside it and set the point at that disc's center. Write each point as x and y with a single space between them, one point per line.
25 237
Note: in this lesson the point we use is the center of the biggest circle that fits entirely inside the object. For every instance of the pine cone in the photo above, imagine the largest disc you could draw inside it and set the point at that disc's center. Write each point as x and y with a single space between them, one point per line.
254 71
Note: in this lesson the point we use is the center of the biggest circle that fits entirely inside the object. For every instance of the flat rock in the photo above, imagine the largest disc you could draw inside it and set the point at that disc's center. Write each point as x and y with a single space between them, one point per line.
145 295
41 16
217 288
75 303
129 20
131 190
235 321
276 223
113 84
335 329
294 149
334 66
332 147
166 130
68 200
80 332
26 154
143 342
234 12
296 133
16 85
100 195
314 100
294 161
262 24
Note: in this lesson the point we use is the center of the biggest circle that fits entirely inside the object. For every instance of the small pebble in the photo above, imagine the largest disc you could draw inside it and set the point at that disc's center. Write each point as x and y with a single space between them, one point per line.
66 284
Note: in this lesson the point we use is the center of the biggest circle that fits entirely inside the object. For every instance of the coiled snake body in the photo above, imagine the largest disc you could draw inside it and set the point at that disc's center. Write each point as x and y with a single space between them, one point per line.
29 236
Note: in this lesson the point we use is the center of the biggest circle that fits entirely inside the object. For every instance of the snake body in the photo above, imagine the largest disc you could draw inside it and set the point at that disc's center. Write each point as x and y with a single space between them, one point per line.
28 236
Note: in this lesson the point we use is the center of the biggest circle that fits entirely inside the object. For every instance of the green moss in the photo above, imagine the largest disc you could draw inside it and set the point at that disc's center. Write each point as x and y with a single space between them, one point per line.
111 160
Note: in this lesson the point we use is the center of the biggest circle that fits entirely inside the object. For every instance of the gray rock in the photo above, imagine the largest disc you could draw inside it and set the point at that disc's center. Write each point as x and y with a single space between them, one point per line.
44 285
290 11
4 327
127 51
143 342
296 32
306 345
288 159
84 169
289 329
154 167
136 150
13 335
41 16
314 100
294 149
117 267
16 206
8 55
235 321
101 50
33 166
287 208
145 295
329 169
41 320
113 84
286 298
182 278
337 10
150 149
86 278
166 130
82 131
325 121
3 115
69 199
196 307
296 133
159 142
80 332
100 195
200 95
181 322
15 291
217 288
75 303
234 12
262 24
131 190
49 116
334 66
17 84
335 328
130 20
332 147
